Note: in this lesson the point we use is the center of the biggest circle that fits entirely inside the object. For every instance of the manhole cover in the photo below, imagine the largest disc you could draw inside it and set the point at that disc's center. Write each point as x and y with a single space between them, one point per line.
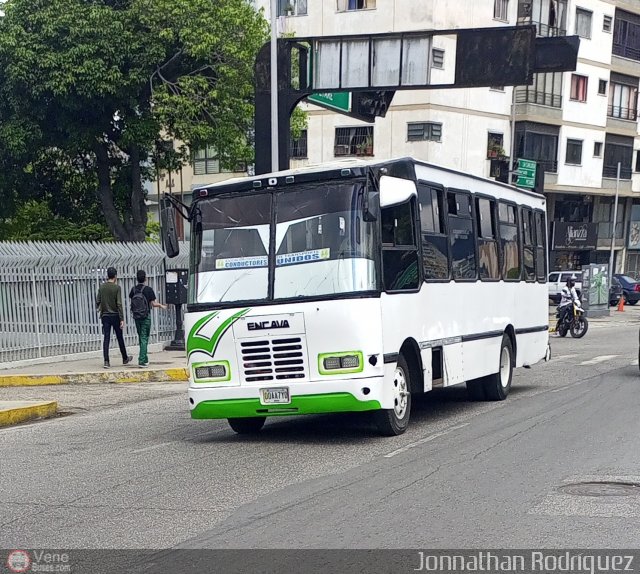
605 488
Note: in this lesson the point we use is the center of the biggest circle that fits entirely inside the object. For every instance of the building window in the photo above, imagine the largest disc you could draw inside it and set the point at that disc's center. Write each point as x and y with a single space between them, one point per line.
602 87
617 149
292 7
546 90
437 58
583 23
299 146
603 216
637 169
549 17
495 143
354 141
597 149
346 5
578 88
574 152
623 97
626 35
538 142
424 131
501 10
205 162
606 24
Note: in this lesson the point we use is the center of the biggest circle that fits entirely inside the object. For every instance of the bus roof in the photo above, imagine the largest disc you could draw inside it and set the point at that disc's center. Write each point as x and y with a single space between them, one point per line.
351 163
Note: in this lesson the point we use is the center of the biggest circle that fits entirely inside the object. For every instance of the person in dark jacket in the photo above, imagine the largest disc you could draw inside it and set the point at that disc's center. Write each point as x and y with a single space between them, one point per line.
109 304
143 299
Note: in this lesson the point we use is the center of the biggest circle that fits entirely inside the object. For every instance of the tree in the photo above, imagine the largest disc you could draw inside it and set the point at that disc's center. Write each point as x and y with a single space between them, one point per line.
98 83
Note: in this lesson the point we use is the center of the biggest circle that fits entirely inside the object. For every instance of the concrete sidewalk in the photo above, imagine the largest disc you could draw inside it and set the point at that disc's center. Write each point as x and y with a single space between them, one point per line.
163 366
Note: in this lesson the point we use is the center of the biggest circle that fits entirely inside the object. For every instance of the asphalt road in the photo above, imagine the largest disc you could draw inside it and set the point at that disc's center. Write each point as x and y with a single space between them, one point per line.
132 473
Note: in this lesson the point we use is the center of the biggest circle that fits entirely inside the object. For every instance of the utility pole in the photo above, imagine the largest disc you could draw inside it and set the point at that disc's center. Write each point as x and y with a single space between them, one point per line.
274 86
613 231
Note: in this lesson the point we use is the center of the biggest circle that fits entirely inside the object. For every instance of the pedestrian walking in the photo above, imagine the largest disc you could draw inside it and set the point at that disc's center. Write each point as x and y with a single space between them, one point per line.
109 304
143 299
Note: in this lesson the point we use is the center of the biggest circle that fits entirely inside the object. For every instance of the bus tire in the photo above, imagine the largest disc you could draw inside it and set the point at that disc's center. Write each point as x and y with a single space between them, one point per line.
250 425
393 422
498 385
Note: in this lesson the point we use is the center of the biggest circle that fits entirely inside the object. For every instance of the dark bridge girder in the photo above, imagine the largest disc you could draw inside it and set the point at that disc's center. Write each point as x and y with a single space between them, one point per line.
485 57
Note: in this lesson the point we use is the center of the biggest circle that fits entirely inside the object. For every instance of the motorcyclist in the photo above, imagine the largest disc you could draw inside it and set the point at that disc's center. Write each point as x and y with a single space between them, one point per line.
568 297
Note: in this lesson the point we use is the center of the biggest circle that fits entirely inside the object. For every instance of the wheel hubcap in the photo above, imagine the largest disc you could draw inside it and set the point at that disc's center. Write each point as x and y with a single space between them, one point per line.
400 392
505 366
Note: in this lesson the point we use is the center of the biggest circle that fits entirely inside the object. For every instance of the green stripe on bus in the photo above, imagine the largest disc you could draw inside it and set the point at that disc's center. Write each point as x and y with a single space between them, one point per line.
300 405
197 342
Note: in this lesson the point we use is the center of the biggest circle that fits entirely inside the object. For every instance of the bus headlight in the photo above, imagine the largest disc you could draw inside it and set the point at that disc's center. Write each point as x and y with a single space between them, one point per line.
340 363
211 372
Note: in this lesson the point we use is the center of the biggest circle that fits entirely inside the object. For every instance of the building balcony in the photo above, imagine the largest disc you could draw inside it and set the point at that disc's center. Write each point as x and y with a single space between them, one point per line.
619 113
549 165
529 96
626 51
546 31
611 172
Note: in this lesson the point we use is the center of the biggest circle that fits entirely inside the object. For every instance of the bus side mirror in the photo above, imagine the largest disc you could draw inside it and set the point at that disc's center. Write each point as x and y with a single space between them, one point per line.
367 214
169 232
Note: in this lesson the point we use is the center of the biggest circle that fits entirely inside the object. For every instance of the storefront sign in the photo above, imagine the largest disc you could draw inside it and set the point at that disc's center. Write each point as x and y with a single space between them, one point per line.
574 236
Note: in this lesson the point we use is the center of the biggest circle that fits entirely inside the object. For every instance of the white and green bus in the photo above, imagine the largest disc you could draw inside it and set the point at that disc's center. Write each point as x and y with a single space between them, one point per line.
353 286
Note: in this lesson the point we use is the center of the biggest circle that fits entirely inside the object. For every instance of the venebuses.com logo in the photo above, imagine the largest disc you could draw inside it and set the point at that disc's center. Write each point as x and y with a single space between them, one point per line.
20 561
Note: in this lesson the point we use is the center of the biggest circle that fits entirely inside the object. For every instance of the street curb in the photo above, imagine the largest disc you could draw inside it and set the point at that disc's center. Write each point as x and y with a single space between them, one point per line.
109 377
20 414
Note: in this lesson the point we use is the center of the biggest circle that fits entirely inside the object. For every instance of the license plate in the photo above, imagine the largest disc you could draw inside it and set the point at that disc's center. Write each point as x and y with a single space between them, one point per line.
275 396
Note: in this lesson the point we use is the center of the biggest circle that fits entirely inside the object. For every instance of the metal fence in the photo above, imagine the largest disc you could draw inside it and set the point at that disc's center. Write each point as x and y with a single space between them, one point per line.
48 290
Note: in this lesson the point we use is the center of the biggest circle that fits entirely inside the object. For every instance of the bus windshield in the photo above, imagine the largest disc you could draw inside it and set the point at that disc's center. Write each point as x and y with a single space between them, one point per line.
322 244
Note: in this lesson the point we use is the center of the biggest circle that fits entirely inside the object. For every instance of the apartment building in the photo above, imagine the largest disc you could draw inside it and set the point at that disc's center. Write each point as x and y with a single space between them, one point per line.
577 125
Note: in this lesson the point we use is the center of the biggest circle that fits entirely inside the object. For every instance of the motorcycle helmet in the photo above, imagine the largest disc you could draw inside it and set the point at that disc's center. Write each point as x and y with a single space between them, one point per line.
571 283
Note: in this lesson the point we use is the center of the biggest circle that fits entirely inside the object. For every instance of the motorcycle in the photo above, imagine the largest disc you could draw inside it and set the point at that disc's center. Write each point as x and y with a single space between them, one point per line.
573 322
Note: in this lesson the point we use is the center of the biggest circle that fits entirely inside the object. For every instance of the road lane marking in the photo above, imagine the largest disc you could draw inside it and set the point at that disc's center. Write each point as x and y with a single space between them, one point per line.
424 440
559 357
600 359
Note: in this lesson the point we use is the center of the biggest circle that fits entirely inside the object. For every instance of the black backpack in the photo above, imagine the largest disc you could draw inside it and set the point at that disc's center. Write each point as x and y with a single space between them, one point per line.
139 303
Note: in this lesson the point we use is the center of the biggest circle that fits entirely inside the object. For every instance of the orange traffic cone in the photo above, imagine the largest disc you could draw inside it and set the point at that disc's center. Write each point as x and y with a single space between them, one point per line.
621 303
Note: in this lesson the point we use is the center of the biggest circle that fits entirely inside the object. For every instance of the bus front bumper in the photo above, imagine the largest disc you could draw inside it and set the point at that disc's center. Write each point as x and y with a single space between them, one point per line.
355 395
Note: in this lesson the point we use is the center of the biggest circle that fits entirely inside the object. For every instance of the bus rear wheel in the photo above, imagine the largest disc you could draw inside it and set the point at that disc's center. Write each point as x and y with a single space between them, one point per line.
393 422
251 425
497 386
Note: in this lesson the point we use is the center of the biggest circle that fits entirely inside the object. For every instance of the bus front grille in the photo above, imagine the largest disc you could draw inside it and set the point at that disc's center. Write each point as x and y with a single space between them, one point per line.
277 359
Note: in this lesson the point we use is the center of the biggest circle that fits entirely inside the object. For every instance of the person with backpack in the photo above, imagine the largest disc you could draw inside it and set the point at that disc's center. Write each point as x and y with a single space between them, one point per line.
143 299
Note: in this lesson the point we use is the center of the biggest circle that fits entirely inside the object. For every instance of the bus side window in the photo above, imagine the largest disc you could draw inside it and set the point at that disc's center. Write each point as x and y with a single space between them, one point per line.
435 242
528 244
399 250
487 230
462 240
541 251
509 241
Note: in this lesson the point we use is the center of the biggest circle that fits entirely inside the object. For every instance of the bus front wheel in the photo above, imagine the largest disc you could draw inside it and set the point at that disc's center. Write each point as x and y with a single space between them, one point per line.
251 425
393 422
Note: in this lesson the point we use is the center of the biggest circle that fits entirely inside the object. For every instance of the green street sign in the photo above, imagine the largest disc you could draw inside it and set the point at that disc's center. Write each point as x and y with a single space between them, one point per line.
340 101
526 173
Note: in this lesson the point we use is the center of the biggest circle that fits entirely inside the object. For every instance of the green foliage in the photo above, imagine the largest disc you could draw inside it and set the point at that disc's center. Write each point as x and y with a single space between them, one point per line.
34 221
93 85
